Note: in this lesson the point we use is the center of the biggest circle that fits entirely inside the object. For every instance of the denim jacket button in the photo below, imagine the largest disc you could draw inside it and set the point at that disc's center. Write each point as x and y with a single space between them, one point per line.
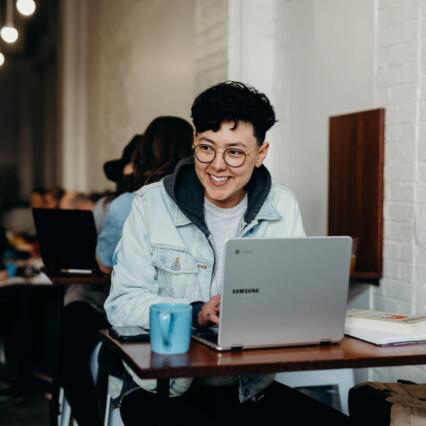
176 265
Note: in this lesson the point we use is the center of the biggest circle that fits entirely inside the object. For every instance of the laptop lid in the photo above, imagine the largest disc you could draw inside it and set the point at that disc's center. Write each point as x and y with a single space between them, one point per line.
67 239
283 292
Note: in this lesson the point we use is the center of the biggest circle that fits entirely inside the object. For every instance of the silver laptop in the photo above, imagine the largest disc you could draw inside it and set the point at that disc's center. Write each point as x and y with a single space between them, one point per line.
281 292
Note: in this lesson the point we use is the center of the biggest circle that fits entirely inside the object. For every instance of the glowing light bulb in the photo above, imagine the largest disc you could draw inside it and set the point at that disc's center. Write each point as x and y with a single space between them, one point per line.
26 7
9 34
1 59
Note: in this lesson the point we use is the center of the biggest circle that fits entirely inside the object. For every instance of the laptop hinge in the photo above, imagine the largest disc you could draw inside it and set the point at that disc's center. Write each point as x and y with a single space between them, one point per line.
236 347
325 342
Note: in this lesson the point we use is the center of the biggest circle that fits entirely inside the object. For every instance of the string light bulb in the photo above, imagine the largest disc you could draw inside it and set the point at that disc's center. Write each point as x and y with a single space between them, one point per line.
1 59
26 7
9 33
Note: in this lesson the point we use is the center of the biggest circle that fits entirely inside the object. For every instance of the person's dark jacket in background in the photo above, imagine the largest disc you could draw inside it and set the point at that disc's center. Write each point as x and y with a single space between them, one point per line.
3 246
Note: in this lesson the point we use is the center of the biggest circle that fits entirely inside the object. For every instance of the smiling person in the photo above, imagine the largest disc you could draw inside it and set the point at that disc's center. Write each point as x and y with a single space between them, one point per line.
172 251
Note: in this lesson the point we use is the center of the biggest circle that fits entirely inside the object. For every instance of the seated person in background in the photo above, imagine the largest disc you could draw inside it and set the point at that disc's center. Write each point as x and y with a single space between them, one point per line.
83 317
52 197
222 192
117 171
166 141
3 246
37 198
76 201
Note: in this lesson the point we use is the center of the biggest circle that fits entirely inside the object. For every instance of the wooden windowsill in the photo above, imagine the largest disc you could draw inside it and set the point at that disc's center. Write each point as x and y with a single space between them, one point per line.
366 277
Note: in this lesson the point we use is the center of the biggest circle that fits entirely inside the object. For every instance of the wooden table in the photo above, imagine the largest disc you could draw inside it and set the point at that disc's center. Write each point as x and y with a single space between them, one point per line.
202 361
18 281
61 282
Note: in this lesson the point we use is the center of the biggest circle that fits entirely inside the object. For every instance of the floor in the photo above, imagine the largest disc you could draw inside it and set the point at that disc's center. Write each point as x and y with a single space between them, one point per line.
29 410
32 409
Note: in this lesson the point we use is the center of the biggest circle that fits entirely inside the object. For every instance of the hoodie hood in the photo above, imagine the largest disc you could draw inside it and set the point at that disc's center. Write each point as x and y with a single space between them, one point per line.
187 192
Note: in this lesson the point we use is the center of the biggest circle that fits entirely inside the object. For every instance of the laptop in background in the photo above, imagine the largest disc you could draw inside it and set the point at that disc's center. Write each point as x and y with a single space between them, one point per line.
67 240
281 292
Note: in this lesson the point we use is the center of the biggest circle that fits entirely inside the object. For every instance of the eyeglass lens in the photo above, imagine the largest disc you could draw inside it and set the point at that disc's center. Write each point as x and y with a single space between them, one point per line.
233 157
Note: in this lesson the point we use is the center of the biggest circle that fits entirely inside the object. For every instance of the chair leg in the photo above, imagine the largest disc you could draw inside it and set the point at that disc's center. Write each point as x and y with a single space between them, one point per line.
115 418
94 365
112 414
64 416
107 411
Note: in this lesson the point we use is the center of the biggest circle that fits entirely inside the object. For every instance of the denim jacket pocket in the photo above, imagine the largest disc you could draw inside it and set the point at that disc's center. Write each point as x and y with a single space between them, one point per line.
176 272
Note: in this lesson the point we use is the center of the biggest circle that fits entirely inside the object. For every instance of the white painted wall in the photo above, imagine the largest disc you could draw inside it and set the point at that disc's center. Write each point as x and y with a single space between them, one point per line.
140 65
314 59
330 71
73 78
135 62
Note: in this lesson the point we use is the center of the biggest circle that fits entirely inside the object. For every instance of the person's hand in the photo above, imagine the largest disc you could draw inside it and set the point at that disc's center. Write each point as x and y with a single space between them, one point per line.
103 268
3 275
209 313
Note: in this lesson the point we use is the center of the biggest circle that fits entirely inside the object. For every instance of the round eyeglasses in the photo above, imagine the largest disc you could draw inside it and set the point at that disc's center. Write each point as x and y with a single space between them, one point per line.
233 157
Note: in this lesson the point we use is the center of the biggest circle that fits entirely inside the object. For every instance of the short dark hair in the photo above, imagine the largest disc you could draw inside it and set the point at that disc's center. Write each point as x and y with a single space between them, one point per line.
233 101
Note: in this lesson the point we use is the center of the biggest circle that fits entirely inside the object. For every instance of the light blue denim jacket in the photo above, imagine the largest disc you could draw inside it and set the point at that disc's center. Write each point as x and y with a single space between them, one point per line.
165 254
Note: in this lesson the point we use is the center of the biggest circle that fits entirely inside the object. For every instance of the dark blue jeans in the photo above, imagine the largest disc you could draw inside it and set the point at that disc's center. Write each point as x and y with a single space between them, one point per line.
280 405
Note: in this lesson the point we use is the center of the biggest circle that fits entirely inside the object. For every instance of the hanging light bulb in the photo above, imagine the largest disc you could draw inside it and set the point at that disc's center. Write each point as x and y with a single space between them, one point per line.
1 59
9 33
26 7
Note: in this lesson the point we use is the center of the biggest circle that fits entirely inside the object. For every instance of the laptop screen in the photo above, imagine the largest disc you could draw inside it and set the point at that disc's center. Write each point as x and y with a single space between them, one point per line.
67 239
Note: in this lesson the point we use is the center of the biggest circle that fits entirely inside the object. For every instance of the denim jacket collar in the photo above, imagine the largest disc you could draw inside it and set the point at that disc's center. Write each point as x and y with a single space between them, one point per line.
187 192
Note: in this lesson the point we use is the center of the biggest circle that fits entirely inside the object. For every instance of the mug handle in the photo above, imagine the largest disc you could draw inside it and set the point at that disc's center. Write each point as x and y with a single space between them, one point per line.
165 321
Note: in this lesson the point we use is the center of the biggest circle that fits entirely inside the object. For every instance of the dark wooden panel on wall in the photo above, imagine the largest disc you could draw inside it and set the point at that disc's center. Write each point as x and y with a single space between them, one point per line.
355 203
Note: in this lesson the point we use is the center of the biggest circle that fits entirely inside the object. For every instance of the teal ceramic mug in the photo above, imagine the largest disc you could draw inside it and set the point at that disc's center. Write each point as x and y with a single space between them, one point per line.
170 328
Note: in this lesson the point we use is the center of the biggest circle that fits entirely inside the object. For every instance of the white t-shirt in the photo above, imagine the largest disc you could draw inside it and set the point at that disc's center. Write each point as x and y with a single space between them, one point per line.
223 224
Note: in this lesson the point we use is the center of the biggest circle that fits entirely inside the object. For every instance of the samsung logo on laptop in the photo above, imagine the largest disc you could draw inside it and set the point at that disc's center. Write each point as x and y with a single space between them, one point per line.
245 290
238 251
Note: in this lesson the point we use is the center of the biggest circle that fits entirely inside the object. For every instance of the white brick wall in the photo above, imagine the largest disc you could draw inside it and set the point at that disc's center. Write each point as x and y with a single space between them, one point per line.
211 22
235 40
249 40
400 88
252 52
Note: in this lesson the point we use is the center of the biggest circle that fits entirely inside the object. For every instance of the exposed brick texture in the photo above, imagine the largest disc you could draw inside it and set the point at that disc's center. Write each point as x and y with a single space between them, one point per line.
211 22
400 88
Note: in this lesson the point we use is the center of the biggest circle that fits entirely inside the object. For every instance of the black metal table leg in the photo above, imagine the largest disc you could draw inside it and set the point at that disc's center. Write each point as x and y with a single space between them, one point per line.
54 406
163 386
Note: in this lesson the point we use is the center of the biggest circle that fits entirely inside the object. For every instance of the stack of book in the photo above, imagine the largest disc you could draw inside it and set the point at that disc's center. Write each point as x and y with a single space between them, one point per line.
385 328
